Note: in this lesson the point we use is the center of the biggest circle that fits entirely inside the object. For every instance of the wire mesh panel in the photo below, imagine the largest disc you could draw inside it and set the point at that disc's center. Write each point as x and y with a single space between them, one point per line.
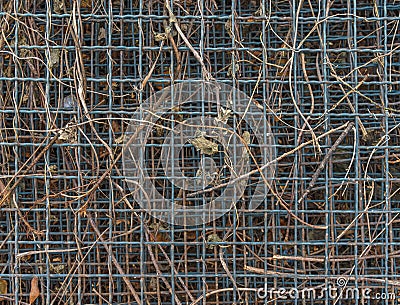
324 74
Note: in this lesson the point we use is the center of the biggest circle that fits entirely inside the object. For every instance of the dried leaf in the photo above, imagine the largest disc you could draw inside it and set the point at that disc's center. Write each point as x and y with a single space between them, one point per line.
53 169
246 137
35 293
58 6
102 34
214 238
232 73
54 58
164 36
158 236
57 259
205 146
228 27
160 36
223 115
69 133
58 269
5 192
3 288
86 3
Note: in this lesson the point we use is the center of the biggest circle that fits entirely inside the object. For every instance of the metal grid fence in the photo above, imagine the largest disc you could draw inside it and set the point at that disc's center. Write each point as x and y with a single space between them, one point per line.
72 73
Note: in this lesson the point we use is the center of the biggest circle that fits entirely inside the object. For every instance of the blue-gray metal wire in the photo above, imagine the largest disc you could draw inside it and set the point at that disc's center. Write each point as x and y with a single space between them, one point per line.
73 72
